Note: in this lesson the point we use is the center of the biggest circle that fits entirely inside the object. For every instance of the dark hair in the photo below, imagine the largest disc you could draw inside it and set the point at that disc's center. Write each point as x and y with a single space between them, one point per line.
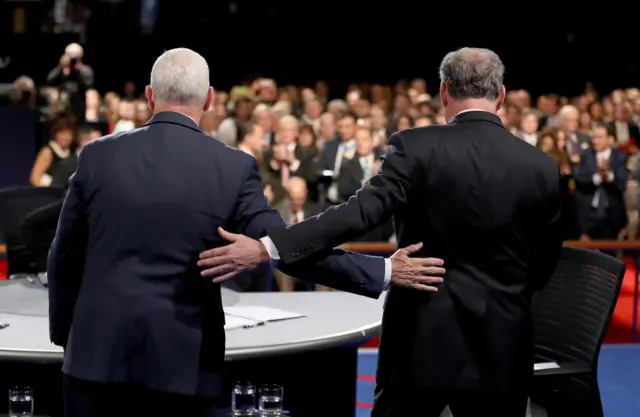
397 121
62 124
307 128
349 115
604 126
243 130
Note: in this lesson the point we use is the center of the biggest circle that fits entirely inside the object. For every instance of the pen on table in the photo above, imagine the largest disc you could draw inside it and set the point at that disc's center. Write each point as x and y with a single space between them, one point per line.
256 324
4 325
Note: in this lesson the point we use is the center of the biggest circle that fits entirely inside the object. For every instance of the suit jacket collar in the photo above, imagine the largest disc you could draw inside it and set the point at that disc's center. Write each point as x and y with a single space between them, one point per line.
614 156
174 118
476 116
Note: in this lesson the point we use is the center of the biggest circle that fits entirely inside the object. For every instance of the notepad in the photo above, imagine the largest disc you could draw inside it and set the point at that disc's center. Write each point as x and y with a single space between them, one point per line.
261 314
545 365
233 322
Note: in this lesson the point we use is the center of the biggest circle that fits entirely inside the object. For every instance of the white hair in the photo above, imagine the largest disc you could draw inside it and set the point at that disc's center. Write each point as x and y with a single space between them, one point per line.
261 108
288 119
566 110
282 107
337 105
180 77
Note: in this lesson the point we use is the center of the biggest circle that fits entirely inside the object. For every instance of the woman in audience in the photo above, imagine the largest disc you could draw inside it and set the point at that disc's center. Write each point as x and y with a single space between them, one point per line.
307 139
547 142
143 114
403 123
50 157
93 111
585 123
127 113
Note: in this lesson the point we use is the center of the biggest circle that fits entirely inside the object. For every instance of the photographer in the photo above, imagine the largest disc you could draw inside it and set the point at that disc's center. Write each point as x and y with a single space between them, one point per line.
72 78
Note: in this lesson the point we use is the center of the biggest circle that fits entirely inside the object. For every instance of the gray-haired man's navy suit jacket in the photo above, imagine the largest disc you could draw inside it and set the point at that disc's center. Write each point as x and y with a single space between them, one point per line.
126 297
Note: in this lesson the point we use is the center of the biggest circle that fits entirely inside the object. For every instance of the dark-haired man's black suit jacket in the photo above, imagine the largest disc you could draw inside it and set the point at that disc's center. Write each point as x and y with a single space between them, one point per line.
126 297
488 204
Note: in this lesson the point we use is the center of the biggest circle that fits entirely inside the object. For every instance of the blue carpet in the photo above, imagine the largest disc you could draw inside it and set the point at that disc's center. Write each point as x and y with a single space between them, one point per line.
619 377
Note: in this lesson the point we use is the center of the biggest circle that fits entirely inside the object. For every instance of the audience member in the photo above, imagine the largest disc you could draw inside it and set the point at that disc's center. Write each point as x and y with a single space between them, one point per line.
307 142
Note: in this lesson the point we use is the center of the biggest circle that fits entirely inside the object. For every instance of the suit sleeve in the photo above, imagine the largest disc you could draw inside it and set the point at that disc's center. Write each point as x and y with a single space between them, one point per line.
371 206
66 259
548 240
583 174
346 271
620 175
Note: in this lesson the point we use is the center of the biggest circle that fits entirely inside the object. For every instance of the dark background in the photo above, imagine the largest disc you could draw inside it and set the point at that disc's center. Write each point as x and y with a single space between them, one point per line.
544 49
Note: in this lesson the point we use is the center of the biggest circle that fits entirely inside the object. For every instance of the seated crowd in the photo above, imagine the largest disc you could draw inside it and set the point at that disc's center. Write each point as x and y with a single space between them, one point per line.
314 152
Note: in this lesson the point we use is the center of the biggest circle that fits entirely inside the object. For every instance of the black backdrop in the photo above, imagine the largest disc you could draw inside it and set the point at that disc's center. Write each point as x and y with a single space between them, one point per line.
543 51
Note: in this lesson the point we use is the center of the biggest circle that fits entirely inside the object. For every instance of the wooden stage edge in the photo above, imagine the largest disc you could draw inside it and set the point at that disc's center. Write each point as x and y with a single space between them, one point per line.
378 247
382 247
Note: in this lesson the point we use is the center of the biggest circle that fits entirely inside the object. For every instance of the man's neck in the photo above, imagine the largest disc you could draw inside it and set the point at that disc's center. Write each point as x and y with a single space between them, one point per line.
190 112
456 107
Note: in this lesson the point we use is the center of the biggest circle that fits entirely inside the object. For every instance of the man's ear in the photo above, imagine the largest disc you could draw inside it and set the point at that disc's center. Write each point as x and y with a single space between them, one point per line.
148 93
501 97
209 100
444 95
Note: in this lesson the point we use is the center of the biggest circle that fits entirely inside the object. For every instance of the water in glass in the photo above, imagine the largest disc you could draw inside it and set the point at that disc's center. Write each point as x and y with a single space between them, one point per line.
271 405
271 400
243 400
20 403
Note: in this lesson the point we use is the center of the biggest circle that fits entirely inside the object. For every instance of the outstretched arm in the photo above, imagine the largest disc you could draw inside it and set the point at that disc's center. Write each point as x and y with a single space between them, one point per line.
372 205
360 274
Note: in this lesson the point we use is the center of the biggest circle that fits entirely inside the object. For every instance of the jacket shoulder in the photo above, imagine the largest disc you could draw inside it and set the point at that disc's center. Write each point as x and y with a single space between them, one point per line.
426 132
99 144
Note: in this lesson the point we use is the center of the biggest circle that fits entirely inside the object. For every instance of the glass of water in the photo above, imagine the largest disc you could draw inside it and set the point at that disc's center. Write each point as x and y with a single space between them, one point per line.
20 402
243 399
270 400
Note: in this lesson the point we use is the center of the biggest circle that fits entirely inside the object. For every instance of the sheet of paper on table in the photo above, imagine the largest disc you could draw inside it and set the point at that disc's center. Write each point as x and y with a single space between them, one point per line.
233 322
261 314
545 365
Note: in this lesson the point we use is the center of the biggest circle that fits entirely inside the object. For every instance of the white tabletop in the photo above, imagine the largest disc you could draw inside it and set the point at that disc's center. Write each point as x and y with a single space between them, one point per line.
331 319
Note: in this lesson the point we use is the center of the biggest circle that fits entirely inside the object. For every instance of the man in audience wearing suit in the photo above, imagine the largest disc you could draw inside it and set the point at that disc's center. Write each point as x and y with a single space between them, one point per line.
251 140
336 152
601 180
577 142
295 209
486 202
624 131
142 330
286 159
355 172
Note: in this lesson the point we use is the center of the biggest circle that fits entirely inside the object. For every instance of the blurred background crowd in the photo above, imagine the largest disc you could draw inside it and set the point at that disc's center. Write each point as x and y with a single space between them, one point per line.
316 142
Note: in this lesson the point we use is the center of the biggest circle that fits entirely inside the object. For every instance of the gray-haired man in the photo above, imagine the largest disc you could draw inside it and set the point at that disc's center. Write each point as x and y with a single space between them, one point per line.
142 331
488 204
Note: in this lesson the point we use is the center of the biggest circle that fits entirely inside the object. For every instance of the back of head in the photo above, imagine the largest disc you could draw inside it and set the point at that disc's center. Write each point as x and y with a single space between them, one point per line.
180 78
472 73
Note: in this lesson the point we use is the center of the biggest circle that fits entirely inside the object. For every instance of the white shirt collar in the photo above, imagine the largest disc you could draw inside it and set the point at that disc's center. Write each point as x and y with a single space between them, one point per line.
468 110
245 149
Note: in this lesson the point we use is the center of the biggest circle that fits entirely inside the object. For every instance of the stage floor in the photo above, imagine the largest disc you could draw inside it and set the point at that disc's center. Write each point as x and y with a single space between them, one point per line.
619 377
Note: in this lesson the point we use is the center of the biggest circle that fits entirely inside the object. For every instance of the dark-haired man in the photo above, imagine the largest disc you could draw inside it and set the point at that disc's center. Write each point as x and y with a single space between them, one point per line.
489 205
